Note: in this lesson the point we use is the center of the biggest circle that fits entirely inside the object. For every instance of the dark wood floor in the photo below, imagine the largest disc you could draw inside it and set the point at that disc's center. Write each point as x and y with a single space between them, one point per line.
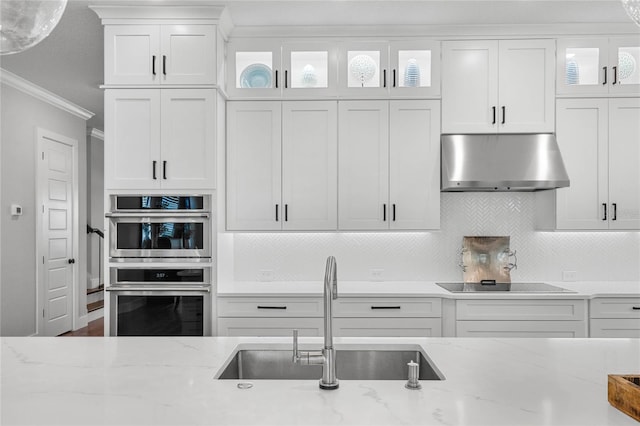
95 328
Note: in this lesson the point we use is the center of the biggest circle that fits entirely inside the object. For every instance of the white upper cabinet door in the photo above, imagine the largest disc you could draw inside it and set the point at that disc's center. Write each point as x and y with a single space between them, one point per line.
624 60
364 68
415 68
582 126
132 139
254 69
310 69
132 54
309 165
525 89
188 138
598 66
160 54
414 164
624 163
363 158
470 86
188 54
254 165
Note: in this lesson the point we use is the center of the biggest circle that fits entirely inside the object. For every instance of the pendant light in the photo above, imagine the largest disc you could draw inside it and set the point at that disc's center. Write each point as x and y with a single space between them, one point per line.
25 23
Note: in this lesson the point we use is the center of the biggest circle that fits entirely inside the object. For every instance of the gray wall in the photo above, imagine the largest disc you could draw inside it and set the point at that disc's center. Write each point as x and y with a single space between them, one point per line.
21 115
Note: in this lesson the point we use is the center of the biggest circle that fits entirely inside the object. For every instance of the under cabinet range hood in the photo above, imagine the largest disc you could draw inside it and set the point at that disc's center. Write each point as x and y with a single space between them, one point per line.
501 162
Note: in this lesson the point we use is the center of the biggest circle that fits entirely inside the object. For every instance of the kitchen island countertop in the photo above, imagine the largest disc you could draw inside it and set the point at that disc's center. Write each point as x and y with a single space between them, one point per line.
170 381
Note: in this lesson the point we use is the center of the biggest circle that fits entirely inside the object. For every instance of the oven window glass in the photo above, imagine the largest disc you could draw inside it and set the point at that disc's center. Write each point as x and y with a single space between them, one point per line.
166 202
160 315
159 275
164 235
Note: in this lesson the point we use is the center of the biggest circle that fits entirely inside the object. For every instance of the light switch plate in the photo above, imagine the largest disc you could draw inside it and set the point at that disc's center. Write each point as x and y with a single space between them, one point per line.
569 276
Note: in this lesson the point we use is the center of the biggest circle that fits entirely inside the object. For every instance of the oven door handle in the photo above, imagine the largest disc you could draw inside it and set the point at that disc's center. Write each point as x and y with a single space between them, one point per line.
202 288
172 215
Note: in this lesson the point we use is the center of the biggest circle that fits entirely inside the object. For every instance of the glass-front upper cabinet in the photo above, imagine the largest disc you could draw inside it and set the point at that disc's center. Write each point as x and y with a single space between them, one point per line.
310 69
254 69
364 68
598 66
415 68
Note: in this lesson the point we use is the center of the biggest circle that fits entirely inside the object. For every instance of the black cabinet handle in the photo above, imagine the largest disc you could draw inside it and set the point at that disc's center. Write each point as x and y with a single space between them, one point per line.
605 75
164 170
384 78
604 210
276 79
615 75
393 212
384 212
504 114
153 65
394 78
164 64
271 307
494 115
385 307
636 308
154 169
276 212
286 79
286 212
615 211
71 261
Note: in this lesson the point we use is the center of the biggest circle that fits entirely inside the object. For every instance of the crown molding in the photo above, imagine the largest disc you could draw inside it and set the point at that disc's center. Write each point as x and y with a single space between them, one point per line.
19 83
96 134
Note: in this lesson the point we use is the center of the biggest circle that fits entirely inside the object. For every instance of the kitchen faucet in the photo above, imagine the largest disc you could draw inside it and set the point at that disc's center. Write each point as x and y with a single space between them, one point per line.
327 356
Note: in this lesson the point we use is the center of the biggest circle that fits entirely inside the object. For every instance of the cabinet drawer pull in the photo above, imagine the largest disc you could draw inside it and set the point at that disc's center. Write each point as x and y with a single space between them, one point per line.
384 212
494 115
164 65
276 212
604 211
385 307
394 78
605 75
286 79
154 170
164 170
153 64
636 308
393 213
276 79
384 78
286 212
271 307
615 75
504 114
615 211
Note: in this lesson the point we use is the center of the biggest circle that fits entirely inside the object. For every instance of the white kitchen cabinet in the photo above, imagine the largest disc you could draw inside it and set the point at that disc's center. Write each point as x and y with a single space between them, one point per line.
615 317
598 66
159 138
270 316
364 68
281 165
389 165
310 69
504 86
598 139
160 54
521 318
254 68
415 68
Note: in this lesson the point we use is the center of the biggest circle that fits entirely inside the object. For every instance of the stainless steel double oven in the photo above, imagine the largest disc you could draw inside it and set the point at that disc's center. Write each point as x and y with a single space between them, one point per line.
160 265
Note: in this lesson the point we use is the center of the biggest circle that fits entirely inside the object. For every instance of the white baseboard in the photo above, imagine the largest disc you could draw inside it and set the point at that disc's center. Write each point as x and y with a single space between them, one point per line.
94 315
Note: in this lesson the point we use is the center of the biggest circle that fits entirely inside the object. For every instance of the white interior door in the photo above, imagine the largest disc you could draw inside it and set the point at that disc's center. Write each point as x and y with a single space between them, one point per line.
56 173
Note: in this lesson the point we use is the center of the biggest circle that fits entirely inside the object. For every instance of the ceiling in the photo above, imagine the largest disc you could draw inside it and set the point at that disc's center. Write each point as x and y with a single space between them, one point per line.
69 62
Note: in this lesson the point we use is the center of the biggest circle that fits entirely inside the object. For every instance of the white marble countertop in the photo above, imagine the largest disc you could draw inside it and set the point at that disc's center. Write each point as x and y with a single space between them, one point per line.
170 381
579 289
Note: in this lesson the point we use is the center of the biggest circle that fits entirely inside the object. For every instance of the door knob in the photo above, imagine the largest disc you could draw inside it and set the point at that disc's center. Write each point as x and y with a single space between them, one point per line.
72 261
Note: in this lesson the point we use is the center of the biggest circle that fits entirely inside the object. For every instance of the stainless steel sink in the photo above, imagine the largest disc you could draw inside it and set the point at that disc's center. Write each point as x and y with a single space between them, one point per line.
351 364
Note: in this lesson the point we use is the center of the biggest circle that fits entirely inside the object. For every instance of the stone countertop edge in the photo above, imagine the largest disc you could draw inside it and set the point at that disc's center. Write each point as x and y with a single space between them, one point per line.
171 381
578 290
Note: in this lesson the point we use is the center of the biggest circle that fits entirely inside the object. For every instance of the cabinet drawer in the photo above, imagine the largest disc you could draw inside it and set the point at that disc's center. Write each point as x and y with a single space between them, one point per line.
537 309
521 329
615 307
378 307
615 328
270 326
270 307
387 327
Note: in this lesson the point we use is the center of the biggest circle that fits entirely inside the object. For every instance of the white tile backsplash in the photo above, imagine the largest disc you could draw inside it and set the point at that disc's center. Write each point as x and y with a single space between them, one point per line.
431 256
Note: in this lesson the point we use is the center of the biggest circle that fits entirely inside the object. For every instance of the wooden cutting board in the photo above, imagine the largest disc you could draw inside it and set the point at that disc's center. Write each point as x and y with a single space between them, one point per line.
624 394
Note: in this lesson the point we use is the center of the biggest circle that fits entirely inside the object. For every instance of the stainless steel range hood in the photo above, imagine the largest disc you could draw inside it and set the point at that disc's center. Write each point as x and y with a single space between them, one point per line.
501 162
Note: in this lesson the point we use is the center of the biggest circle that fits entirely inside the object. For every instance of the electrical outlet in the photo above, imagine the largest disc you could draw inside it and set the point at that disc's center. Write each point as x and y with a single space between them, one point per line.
569 276
265 275
377 274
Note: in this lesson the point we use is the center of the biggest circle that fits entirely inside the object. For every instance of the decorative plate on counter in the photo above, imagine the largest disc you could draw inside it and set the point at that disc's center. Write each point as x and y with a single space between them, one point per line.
256 76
